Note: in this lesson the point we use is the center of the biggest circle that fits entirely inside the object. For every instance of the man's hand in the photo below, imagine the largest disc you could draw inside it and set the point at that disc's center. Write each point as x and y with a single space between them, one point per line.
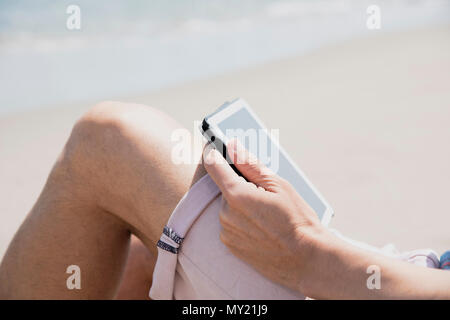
265 221
268 225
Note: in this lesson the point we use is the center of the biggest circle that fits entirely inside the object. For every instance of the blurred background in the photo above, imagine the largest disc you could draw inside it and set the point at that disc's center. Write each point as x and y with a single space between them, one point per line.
130 47
365 112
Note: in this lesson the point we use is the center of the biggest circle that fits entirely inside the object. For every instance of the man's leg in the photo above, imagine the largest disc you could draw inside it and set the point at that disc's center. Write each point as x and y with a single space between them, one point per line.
138 273
115 177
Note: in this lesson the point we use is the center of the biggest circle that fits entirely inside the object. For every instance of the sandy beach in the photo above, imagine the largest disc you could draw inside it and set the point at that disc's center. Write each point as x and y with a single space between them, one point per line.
367 120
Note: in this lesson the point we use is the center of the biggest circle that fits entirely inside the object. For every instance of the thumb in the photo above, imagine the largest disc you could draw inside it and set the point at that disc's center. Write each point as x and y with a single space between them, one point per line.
219 170
249 165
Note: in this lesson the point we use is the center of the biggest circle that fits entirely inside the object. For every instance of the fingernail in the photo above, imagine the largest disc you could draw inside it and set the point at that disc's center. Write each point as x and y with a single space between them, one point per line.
211 156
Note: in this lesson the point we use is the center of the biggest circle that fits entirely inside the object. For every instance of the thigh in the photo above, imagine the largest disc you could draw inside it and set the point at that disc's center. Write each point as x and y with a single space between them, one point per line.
169 182
114 177
130 164
137 277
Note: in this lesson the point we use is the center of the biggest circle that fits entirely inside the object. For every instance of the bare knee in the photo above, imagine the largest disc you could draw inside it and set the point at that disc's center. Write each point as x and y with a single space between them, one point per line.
111 130
110 125
121 154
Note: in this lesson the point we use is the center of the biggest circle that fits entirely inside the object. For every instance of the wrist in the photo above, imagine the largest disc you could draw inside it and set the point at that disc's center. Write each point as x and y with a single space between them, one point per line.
316 245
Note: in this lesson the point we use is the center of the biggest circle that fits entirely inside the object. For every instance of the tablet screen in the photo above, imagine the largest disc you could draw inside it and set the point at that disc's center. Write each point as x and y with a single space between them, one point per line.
246 129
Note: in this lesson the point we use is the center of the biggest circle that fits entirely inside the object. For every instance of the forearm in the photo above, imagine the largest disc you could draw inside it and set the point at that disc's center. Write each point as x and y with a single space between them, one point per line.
275 224
338 270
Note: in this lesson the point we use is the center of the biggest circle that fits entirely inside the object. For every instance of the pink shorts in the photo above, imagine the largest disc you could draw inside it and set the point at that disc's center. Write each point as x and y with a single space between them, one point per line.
194 264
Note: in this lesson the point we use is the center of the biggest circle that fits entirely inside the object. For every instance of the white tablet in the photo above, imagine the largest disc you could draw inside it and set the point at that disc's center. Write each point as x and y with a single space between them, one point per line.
237 120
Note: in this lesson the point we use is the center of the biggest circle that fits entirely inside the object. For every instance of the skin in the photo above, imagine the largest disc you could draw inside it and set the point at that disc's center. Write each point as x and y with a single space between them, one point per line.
266 220
137 276
113 188
114 179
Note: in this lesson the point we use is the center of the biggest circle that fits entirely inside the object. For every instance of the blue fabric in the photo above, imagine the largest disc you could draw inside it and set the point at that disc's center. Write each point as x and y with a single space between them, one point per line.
445 261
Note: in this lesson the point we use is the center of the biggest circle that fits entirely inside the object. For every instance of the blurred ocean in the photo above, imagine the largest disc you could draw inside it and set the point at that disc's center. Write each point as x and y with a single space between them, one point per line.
132 47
